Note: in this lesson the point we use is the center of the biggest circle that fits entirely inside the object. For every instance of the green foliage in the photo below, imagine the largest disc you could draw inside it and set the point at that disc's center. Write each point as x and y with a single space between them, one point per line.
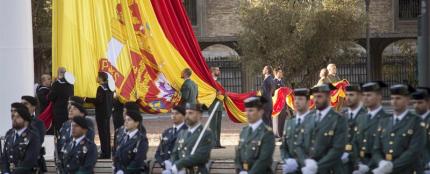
299 36
42 22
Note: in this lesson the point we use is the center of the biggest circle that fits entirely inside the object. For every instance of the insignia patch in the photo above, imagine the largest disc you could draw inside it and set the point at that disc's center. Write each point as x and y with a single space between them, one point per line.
423 124
331 133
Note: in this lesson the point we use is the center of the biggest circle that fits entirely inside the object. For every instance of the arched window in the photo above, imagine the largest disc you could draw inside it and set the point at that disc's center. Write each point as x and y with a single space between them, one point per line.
191 8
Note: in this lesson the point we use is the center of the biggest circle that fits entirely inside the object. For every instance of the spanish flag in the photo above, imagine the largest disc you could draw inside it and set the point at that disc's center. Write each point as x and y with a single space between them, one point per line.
143 44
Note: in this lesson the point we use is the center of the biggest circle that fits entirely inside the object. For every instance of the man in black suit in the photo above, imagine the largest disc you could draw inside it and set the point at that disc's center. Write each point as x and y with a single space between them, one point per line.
278 121
42 92
60 92
103 104
267 90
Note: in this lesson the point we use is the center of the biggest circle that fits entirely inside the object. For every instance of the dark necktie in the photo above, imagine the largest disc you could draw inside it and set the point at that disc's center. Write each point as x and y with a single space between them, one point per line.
74 144
16 137
351 116
249 131
397 120
319 115
175 130
369 116
299 121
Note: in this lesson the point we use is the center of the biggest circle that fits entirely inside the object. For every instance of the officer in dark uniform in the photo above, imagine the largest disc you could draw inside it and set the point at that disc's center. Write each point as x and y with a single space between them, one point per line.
42 92
182 160
353 113
121 131
131 152
324 136
189 89
61 90
169 136
401 138
366 127
31 103
80 154
422 104
65 134
293 128
103 103
22 145
254 154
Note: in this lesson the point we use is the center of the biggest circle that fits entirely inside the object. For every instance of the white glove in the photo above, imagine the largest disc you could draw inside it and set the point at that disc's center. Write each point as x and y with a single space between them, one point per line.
426 171
290 166
384 167
362 169
243 172
168 164
175 170
345 157
311 167
120 172
166 172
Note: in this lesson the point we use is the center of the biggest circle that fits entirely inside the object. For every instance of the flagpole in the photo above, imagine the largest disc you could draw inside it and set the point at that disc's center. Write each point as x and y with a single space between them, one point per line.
204 128
16 56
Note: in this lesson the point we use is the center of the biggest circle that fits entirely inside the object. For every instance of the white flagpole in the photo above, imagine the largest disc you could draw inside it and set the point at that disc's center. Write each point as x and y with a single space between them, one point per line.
16 56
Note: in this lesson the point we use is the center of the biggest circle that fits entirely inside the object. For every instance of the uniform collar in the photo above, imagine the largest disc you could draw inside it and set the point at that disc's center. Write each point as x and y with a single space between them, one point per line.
132 133
355 111
178 126
401 116
104 87
19 132
424 116
324 112
192 130
267 75
78 140
215 78
374 112
62 81
255 125
301 116
43 87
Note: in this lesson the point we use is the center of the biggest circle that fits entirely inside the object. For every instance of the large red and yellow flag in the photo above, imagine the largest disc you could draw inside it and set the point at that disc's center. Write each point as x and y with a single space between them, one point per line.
143 44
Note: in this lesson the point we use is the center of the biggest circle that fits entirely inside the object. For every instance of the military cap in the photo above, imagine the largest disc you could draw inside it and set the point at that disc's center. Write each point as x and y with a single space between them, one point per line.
81 122
131 106
324 88
30 99
401 89
353 88
180 109
255 102
197 107
76 99
79 107
373 86
24 113
135 115
17 105
421 93
302 92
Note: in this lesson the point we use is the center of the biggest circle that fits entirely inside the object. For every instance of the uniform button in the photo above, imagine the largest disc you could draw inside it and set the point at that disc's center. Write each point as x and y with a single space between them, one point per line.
391 142
363 148
183 155
391 151
392 134
364 141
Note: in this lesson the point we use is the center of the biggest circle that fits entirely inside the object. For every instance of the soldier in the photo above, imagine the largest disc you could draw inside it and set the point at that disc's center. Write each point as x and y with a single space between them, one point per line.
324 136
332 73
22 145
401 137
366 127
80 154
103 104
169 136
215 124
353 113
293 128
181 160
38 126
189 89
65 134
60 92
254 154
421 104
120 132
42 92
131 152
267 90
